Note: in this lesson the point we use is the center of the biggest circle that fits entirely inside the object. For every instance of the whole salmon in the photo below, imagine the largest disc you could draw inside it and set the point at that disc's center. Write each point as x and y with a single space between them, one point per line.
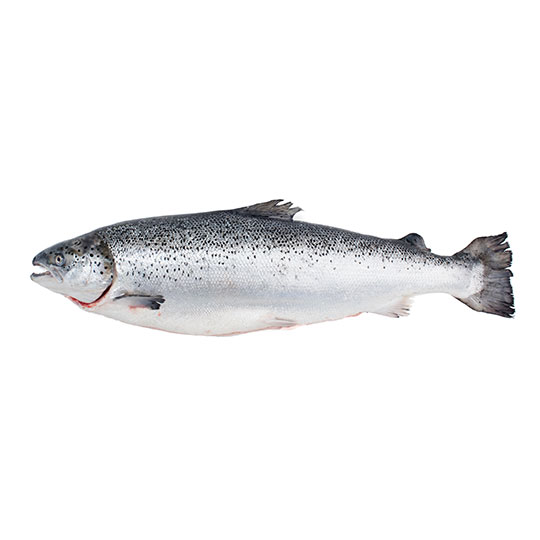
251 268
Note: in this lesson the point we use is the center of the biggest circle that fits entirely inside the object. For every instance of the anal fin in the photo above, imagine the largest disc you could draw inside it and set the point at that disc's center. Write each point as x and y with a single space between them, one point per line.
135 301
399 307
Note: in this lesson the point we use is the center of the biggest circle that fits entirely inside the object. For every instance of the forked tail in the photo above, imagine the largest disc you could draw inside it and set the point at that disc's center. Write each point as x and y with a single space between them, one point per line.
496 294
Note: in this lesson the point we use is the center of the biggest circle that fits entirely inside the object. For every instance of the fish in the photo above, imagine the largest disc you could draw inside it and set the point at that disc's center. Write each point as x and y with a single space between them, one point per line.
234 271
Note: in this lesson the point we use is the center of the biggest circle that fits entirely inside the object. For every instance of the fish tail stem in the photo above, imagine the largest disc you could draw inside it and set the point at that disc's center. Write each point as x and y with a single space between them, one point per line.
495 294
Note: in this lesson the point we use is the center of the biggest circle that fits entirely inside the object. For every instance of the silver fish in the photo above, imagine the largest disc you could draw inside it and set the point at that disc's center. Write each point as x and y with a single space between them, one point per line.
252 268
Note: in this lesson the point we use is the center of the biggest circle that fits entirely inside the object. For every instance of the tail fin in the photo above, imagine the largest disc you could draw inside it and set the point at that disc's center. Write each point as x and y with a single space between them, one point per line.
496 295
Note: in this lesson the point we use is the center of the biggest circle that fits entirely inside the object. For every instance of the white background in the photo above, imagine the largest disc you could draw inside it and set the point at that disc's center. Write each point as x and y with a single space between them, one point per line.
380 117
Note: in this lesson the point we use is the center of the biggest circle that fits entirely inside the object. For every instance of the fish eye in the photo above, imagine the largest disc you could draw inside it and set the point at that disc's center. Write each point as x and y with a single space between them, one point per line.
59 260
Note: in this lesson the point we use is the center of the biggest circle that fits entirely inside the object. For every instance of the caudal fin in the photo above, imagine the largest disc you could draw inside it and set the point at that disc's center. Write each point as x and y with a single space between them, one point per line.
496 295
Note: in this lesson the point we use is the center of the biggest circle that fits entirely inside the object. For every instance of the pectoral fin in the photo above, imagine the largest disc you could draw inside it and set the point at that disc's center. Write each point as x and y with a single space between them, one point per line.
140 300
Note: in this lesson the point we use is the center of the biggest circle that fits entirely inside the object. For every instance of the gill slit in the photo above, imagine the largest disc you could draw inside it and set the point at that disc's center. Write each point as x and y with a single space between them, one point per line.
95 302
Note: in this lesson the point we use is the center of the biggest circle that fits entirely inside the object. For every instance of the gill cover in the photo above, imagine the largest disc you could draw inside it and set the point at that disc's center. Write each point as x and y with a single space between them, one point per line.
82 268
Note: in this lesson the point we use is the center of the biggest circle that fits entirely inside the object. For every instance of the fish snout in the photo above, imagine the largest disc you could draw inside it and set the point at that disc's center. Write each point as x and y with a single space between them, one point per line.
38 260
41 260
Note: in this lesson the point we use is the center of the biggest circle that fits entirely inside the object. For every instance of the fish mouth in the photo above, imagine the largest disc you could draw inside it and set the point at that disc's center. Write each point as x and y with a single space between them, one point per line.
45 272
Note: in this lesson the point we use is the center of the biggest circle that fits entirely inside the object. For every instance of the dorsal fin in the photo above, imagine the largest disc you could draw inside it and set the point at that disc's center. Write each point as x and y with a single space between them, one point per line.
271 209
416 241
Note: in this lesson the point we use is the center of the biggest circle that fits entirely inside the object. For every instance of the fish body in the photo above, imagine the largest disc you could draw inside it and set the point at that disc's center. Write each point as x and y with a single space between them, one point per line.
252 268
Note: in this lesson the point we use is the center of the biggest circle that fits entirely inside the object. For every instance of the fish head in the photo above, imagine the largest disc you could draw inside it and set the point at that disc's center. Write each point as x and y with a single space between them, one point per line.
81 268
